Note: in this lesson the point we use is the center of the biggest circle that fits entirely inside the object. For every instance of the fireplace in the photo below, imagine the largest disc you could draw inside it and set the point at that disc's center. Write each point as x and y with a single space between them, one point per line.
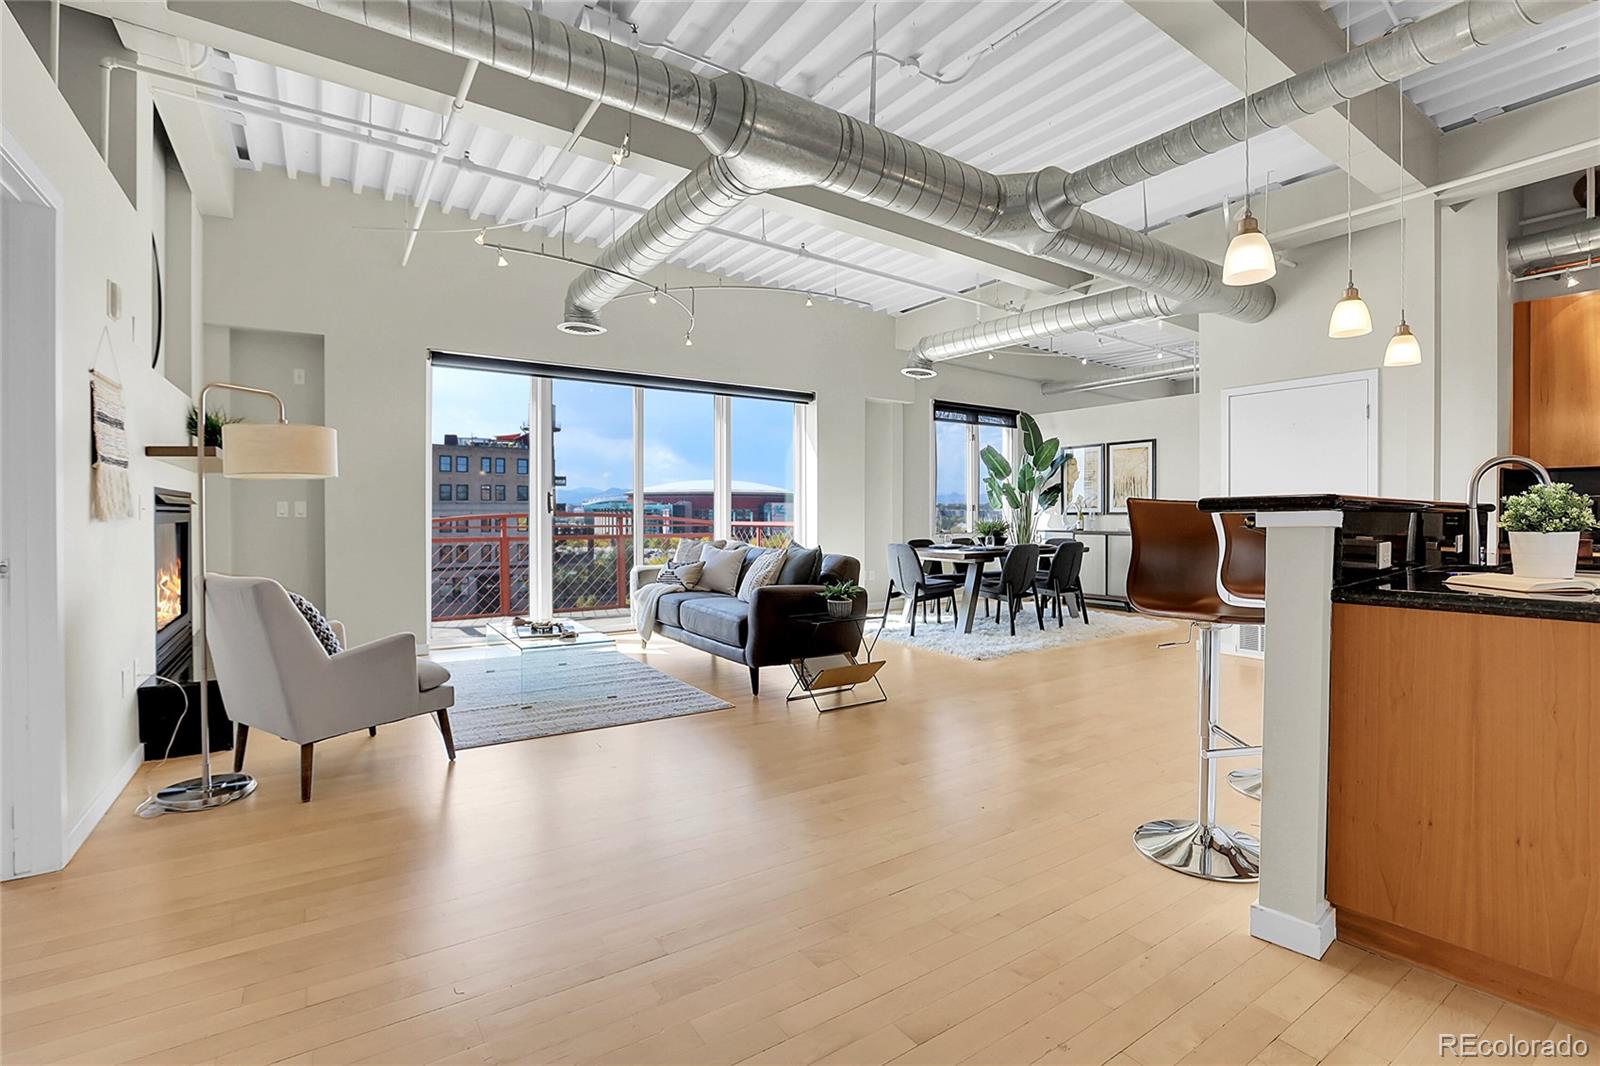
174 640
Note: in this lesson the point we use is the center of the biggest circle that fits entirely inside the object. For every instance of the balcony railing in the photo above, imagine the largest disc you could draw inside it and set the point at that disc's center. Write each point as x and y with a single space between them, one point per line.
481 562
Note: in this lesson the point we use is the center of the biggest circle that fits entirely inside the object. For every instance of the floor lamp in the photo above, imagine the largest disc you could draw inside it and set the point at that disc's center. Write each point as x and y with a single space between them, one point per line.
257 450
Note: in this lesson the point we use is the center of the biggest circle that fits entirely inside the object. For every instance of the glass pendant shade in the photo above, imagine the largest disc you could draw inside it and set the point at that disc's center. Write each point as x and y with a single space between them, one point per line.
1403 348
1350 316
1249 259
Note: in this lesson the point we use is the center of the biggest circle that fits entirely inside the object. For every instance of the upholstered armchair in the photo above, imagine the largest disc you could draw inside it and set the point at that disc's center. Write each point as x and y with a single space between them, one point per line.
275 676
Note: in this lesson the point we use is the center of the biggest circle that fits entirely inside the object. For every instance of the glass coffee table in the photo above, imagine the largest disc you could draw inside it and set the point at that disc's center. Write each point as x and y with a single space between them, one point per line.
532 647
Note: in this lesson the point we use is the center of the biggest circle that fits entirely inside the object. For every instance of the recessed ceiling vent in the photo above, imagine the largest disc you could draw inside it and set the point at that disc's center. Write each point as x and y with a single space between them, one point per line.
581 322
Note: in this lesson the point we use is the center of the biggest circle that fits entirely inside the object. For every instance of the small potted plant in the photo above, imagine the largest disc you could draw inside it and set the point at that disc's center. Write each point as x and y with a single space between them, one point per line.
215 420
841 597
1544 524
992 530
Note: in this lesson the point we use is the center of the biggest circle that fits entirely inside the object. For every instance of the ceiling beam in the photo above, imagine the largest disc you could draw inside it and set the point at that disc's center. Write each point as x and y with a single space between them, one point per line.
1285 40
305 40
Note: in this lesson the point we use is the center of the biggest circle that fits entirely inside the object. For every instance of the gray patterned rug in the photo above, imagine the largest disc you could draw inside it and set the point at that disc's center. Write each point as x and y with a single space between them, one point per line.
565 692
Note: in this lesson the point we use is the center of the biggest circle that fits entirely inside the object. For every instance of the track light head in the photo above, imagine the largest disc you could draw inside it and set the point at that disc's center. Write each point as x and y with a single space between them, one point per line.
1571 279
482 236
688 341
809 302
502 261
651 297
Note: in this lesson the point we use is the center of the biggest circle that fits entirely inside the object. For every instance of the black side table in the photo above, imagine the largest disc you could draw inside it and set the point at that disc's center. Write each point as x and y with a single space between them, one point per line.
835 676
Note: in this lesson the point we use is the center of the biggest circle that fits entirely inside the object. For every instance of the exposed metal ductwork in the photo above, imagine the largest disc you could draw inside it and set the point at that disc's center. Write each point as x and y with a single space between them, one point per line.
1056 388
1116 307
1572 244
1410 49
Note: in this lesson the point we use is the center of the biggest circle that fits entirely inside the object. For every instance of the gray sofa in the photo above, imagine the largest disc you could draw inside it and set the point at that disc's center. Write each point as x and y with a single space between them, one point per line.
763 631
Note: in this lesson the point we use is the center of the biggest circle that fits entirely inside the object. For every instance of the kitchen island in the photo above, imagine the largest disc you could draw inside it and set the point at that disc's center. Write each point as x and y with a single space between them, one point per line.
1429 755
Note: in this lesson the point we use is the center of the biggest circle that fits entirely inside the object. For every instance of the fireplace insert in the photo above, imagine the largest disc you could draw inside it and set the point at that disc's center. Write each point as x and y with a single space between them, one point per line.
174 637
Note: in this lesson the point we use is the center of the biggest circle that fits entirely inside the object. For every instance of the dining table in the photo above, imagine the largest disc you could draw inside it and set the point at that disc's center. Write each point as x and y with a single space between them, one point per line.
974 557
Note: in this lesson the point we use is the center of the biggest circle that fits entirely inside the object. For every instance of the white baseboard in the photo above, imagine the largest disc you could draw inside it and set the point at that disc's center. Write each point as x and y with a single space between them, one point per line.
1307 938
102 803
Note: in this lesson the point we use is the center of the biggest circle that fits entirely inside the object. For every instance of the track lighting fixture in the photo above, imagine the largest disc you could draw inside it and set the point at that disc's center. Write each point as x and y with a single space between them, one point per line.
502 261
1571 279
651 297
1249 258
688 341
482 236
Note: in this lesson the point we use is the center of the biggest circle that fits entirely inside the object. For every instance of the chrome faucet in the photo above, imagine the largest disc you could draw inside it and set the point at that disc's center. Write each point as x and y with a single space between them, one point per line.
1477 551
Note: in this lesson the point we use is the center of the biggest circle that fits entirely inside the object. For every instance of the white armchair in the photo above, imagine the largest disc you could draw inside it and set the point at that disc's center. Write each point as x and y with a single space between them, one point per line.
275 676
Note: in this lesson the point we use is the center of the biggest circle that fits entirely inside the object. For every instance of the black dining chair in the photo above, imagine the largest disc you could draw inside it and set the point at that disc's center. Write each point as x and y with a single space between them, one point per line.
1063 579
1014 581
907 578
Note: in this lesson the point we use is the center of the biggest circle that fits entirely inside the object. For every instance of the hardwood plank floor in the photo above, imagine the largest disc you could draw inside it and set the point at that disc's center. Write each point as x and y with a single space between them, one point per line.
947 877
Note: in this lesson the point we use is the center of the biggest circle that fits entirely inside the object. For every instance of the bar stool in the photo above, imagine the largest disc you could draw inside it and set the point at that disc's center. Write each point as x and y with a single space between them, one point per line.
1173 574
1242 582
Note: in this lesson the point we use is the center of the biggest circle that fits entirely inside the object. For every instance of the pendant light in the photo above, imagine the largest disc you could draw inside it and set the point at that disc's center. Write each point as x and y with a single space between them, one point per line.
1350 316
1249 259
1403 348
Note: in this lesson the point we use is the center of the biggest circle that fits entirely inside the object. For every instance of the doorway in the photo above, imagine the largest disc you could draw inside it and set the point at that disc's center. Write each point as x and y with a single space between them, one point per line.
32 670
1307 435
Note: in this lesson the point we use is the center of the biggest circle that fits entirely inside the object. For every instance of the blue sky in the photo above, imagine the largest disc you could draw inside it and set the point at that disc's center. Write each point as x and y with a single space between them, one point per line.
595 446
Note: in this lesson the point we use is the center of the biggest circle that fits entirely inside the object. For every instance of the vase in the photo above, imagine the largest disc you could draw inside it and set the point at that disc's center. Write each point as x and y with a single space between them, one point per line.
841 608
1552 556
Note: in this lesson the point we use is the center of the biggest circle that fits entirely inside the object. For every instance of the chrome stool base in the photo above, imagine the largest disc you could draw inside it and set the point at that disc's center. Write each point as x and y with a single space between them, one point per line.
1246 782
1209 852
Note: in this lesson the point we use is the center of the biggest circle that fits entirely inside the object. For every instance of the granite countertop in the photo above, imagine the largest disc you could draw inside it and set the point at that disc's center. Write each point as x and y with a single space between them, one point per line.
1328 501
1426 590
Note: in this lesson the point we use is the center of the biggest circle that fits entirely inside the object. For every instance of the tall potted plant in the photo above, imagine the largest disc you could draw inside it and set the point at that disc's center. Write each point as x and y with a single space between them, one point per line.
1025 490
1544 524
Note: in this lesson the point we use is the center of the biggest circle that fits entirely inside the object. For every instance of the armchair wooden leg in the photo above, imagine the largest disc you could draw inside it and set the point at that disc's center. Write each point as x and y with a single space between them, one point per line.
241 734
755 671
305 772
449 737
372 730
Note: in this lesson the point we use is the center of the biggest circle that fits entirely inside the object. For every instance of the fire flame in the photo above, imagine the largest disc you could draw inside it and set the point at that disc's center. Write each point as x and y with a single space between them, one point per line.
169 593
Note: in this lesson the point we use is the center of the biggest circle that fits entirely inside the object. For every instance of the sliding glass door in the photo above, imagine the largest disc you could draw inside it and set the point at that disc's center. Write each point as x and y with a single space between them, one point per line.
549 488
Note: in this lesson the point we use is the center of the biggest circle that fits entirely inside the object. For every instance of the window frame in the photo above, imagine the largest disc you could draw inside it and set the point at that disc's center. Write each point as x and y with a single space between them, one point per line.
975 469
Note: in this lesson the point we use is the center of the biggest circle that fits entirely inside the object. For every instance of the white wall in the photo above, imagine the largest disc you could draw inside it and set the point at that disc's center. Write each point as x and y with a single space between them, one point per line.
109 593
1173 422
299 258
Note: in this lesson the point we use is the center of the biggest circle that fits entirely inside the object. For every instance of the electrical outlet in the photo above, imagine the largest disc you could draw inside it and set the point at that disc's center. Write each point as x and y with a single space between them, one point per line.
872 575
299 508
283 508
299 375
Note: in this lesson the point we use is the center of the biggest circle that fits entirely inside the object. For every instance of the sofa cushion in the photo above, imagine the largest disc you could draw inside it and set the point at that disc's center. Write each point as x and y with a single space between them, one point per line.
430 675
724 619
722 569
800 566
668 606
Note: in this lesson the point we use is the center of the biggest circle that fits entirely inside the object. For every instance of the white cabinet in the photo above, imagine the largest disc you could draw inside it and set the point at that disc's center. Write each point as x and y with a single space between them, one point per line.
1105 567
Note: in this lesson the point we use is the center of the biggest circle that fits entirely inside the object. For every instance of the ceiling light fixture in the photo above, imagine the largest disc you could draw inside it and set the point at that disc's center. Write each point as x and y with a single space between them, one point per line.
1249 259
1350 317
1571 279
809 302
502 261
688 341
652 296
1403 349
482 236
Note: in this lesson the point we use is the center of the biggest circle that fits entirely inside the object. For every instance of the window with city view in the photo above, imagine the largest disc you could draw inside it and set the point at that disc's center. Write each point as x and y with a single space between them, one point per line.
763 434
960 433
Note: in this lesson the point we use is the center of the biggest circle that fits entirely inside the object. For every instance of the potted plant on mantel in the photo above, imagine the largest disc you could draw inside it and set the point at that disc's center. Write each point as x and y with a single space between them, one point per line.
1025 490
991 530
840 597
1544 524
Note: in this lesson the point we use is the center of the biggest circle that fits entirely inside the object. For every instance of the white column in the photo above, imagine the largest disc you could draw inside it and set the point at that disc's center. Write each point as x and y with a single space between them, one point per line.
638 476
722 469
542 474
1291 907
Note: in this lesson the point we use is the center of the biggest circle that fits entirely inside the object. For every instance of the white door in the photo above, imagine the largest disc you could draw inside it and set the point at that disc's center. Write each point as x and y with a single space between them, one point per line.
1308 435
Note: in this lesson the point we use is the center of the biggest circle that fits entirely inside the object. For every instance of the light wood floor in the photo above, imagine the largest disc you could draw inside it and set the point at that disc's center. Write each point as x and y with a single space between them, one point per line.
946 877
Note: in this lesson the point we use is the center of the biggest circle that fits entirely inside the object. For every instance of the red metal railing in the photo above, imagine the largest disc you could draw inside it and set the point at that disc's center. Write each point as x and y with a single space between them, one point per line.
481 565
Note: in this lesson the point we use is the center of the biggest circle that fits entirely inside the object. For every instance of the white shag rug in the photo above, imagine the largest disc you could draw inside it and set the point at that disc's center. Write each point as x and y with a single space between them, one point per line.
990 641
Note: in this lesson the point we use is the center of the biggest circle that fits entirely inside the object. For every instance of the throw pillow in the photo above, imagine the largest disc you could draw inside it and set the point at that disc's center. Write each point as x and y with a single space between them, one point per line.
319 624
763 572
689 551
800 566
721 573
683 575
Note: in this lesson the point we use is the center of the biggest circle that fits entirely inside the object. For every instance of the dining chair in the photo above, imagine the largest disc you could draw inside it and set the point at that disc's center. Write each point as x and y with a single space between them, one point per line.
1063 579
1014 581
907 578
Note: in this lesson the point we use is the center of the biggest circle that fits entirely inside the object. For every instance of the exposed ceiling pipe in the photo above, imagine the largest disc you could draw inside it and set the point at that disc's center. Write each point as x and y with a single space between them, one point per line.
1411 49
1111 308
446 125
1056 388
1570 244
772 139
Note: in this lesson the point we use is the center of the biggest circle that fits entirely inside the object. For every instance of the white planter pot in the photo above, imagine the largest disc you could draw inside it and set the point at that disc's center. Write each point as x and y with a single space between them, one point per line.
1544 555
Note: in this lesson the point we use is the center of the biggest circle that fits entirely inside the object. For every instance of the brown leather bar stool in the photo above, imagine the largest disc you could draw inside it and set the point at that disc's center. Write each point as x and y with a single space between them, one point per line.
1242 580
1174 574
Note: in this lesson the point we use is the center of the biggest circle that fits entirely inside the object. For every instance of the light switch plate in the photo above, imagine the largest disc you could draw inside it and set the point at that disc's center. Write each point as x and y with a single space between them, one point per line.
283 508
299 508
299 375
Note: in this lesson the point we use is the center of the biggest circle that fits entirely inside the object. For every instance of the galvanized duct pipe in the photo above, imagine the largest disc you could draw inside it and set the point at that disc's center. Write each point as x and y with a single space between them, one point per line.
1411 49
704 197
1115 307
1056 388
1570 245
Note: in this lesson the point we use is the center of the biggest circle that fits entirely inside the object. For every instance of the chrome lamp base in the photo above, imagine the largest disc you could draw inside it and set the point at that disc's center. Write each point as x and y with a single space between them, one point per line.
1246 782
192 795
1209 852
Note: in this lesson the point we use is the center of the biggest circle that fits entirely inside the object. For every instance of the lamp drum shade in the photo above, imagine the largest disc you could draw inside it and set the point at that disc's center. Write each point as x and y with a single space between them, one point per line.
279 450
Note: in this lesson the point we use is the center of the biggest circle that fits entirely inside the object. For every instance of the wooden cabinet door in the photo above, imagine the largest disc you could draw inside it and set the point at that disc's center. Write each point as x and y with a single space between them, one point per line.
1558 375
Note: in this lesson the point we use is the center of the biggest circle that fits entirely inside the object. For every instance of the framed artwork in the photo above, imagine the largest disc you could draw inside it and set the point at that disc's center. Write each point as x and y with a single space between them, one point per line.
1083 475
1131 466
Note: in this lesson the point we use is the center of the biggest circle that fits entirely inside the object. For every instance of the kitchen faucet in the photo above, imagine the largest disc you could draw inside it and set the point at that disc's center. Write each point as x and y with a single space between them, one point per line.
1477 551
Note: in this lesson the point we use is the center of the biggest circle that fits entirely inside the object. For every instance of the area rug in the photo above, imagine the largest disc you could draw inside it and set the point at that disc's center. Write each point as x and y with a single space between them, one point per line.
990 641
566 692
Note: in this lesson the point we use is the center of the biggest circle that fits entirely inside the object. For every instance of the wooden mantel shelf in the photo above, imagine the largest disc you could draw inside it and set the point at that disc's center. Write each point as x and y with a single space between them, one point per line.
183 455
